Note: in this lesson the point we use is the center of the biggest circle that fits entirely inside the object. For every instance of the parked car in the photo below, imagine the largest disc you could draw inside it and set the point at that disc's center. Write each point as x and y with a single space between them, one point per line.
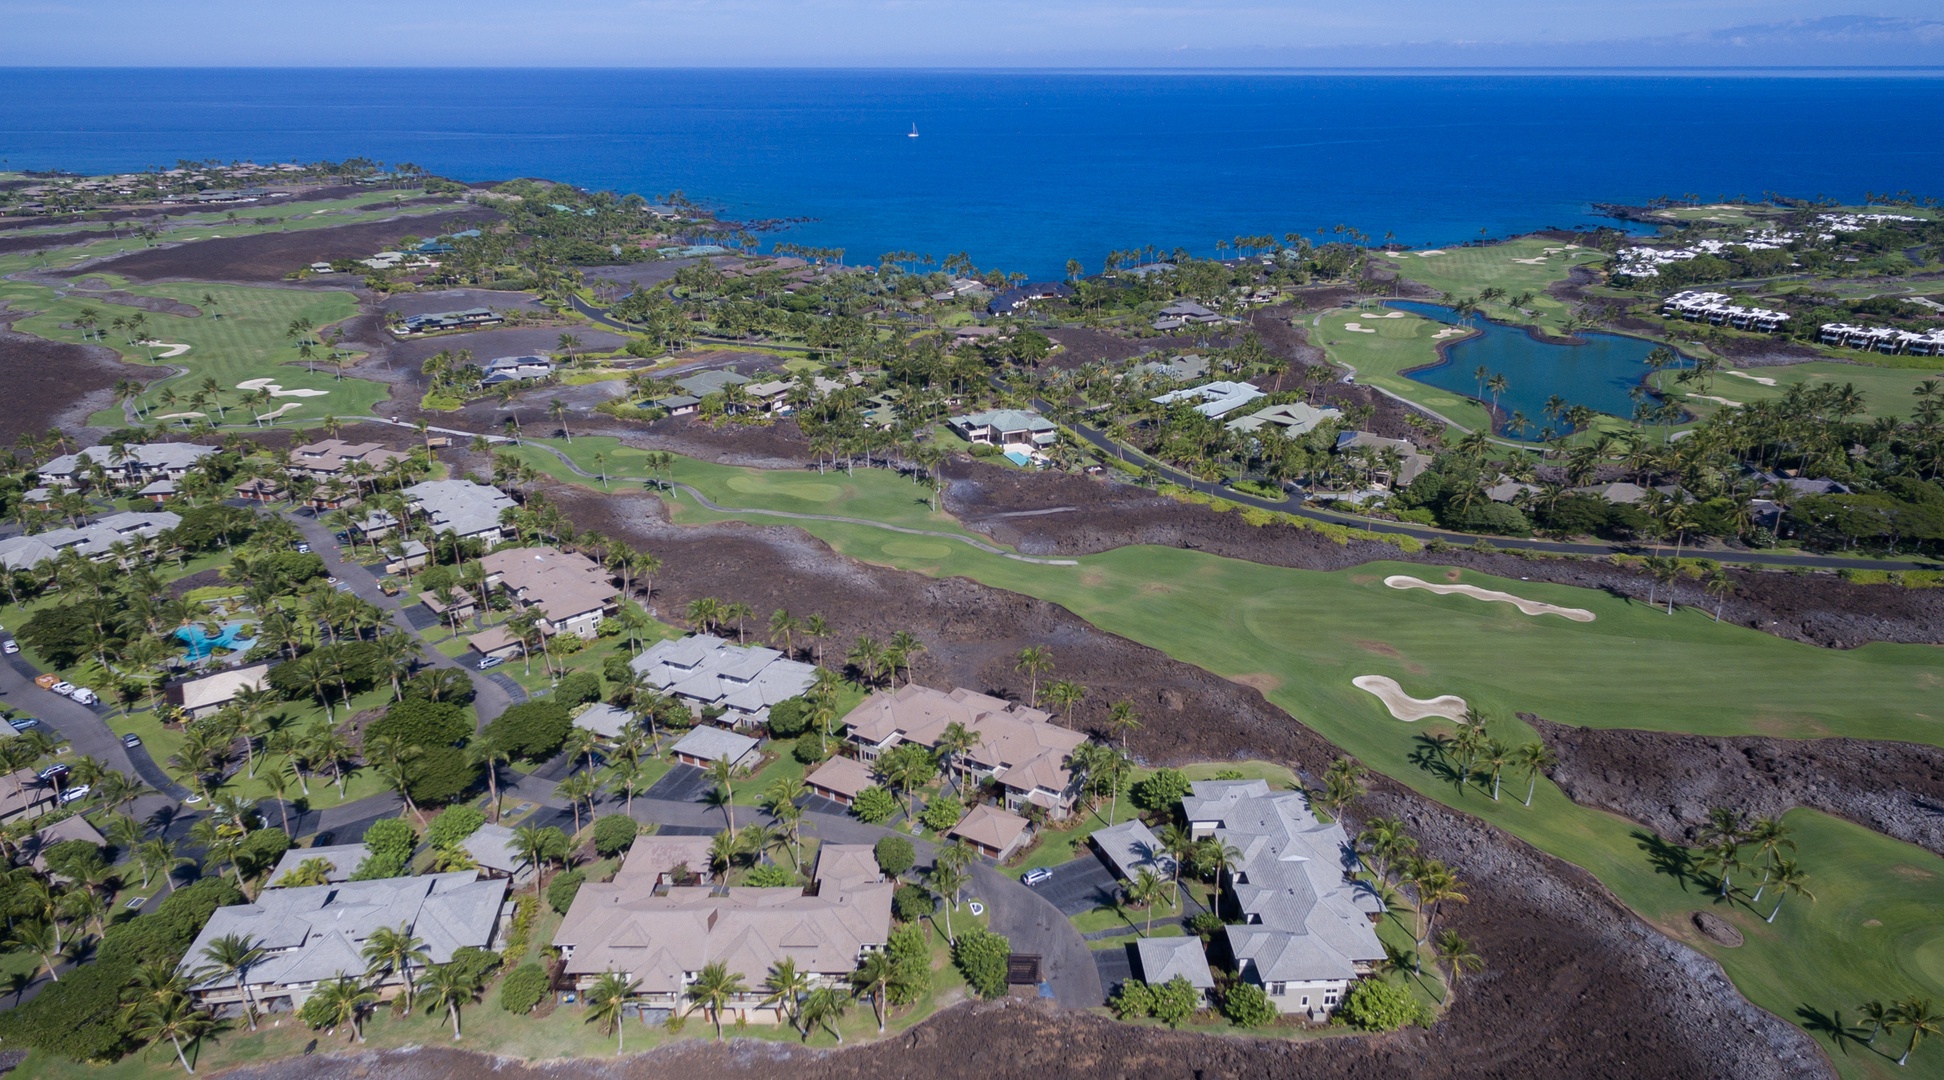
9 646
23 723
63 688
53 771
84 695
491 662
46 681
131 740
75 793
301 548
1038 875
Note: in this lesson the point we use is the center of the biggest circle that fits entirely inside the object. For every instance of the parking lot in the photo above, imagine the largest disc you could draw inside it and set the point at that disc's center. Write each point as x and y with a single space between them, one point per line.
1079 886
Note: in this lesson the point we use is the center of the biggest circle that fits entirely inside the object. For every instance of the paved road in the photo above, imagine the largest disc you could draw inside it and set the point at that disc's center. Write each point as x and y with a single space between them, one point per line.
1419 532
85 729
1114 965
489 698
1034 925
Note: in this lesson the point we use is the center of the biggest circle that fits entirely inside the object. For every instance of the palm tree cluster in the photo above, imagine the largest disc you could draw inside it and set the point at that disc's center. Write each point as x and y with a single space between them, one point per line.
1731 843
1917 1015
1389 853
1472 755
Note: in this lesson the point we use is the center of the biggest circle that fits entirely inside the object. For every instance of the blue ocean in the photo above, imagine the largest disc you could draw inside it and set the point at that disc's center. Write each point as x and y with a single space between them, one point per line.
1023 171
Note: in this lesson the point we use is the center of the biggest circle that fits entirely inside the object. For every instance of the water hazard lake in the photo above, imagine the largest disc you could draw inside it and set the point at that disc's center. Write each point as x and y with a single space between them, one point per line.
1600 372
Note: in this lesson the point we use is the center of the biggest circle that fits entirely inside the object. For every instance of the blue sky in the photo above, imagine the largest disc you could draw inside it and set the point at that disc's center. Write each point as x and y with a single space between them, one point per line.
970 33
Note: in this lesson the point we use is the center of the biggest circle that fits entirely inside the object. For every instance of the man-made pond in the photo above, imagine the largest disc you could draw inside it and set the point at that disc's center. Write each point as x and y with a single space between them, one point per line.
201 644
1600 373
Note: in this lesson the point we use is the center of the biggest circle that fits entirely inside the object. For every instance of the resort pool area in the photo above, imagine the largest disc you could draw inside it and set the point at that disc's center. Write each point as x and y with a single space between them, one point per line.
201 644
1600 373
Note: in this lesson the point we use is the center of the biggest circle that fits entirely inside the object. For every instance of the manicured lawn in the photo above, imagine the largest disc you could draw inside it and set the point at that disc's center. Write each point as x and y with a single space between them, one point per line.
1886 391
1301 636
1465 271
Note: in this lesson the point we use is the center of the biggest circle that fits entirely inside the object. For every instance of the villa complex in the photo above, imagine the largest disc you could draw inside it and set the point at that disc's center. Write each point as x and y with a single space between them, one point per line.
709 673
1018 747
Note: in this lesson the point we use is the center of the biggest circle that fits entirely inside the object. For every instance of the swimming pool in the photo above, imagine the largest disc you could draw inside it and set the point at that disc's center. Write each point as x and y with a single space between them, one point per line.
201 644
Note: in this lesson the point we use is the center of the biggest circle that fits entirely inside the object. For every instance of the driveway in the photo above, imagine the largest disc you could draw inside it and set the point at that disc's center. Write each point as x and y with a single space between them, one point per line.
1114 965
1080 886
682 784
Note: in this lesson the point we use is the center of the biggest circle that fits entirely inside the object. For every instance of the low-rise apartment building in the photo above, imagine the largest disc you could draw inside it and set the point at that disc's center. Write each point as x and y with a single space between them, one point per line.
1020 748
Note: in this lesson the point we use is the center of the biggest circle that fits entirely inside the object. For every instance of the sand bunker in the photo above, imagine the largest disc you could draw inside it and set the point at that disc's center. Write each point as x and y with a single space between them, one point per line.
1716 400
279 411
277 390
181 416
1356 329
168 349
1385 315
1763 379
1530 607
1449 331
1405 707
1537 260
1428 254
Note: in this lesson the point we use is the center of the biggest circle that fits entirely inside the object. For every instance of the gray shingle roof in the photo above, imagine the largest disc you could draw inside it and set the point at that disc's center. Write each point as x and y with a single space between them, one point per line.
704 668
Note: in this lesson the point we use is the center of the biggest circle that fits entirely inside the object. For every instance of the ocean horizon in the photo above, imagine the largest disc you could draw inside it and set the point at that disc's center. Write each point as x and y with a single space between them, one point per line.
1025 169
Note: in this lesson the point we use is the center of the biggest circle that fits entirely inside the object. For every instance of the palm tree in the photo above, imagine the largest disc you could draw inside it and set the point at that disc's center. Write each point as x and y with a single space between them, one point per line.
787 985
1063 696
783 627
1179 844
232 956
491 755
947 879
1121 719
344 1001
1435 884
158 856
389 949
1769 837
173 1018
579 788
1457 956
953 744
1142 892
539 846
40 937
1496 756
607 1002
873 978
818 629
722 772
1535 758
1788 878
714 987
1878 1016
906 647
558 410
825 1008
1034 661
1917 1014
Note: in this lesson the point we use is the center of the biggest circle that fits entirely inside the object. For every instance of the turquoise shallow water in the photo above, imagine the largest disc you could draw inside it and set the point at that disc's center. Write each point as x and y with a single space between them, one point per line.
201 644
1600 372
1024 170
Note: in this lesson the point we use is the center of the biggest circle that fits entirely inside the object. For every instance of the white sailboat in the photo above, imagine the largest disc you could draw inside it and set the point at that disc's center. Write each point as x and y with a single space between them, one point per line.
914 132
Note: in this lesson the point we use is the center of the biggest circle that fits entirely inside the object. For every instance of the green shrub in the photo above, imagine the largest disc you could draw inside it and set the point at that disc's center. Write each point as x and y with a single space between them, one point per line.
1175 1000
613 833
1246 1005
874 805
810 750
789 718
563 888
524 988
912 902
983 450
428 724
455 825
1162 791
260 851
942 813
894 854
1205 925
1376 1005
74 859
1132 1000
768 876
910 949
475 961
532 730
392 838
981 957
578 689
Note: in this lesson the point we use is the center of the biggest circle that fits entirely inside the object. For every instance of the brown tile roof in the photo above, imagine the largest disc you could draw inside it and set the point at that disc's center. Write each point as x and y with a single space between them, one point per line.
845 776
561 584
990 827
1024 749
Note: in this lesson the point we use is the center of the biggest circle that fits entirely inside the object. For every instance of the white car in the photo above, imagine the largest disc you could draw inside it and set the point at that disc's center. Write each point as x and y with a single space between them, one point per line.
9 646
84 695
1038 875
65 689
491 662
75 794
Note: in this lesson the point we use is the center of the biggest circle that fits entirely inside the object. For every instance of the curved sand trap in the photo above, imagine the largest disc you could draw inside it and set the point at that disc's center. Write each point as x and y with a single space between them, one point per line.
1428 254
278 411
277 390
1385 315
1530 607
1763 379
1716 400
182 416
1405 707
1449 331
1356 329
1537 260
